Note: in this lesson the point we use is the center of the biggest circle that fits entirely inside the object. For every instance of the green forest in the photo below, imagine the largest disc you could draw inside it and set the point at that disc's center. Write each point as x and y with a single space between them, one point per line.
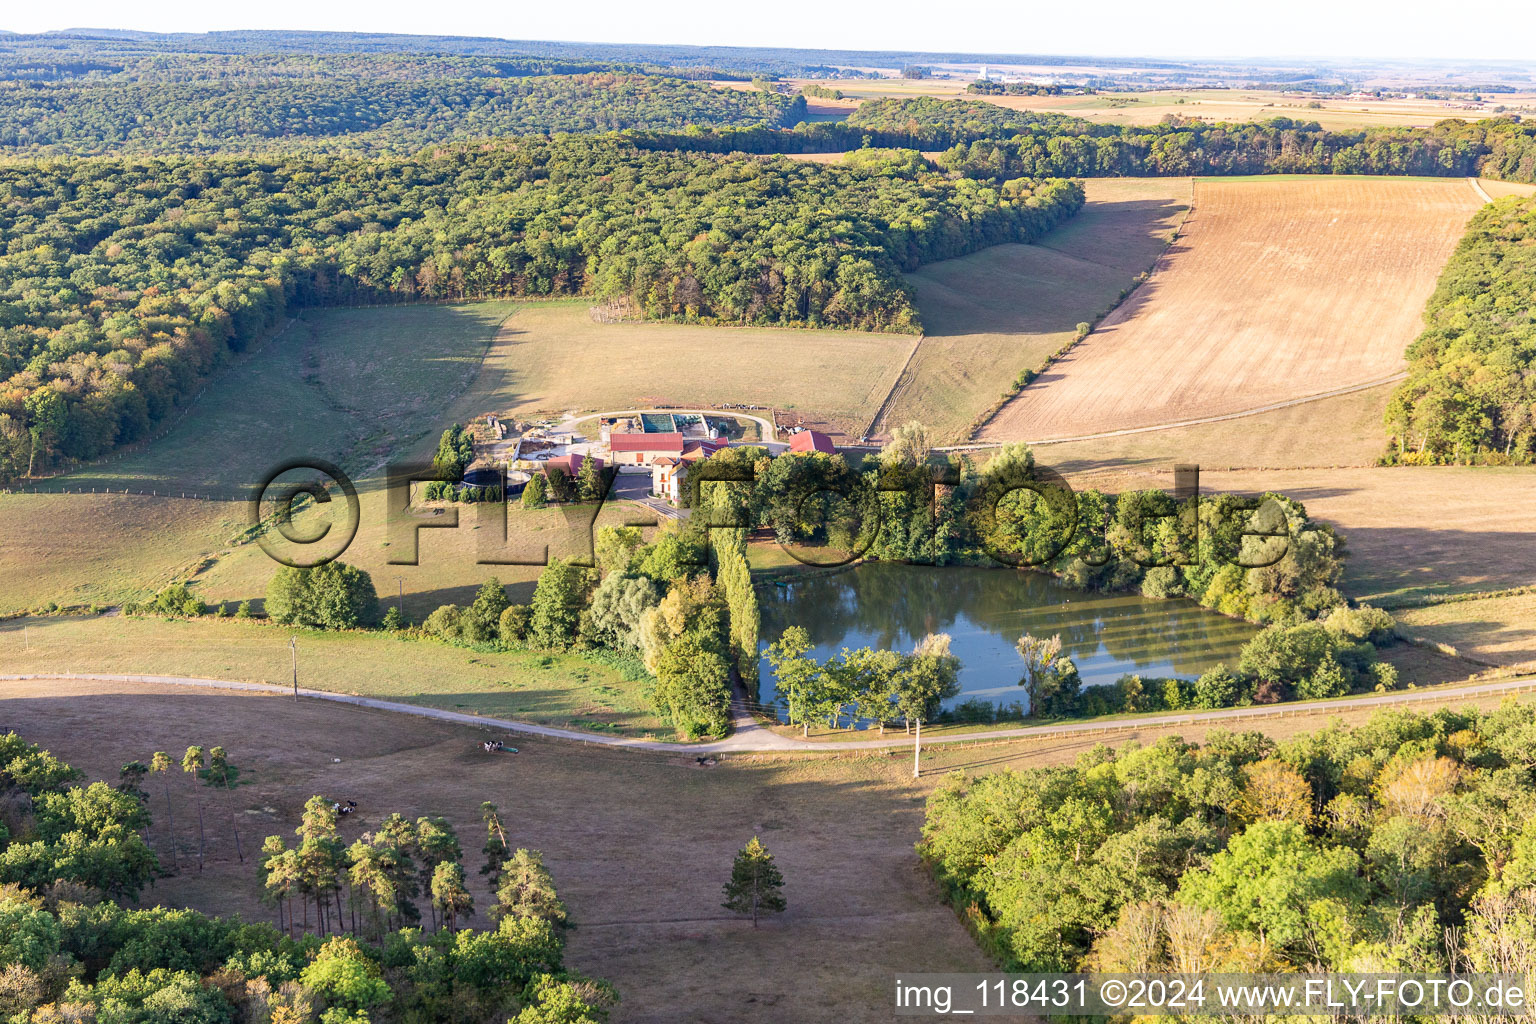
985 140
1470 395
124 281
402 114
352 945
1404 844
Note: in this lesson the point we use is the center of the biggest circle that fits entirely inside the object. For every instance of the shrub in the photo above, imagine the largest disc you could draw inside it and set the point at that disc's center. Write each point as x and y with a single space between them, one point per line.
1384 677
243 611
393 619
446 621
512 627
1218 688
1163 581
1374 625
535 492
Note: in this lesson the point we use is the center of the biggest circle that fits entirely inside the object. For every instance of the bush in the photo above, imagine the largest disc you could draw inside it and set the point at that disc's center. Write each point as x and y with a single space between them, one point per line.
192 607
535 492
1384 677
330 596
512 628
1328 680
1218 688
1373 625
446 621
1163 581
243 611
393 619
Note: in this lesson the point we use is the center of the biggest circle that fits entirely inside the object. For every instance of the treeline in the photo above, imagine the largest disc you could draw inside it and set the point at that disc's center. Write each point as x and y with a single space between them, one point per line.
69 953
1405 844
384 114
984 140
124 282
1470 395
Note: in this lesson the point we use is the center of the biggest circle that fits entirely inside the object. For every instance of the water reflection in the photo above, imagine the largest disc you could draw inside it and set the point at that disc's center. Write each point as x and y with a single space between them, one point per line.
985 611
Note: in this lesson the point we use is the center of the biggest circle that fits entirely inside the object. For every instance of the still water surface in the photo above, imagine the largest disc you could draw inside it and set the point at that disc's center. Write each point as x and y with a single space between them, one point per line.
882 604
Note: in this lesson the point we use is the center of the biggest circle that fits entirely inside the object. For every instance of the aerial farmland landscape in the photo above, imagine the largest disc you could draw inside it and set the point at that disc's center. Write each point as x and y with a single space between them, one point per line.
836 517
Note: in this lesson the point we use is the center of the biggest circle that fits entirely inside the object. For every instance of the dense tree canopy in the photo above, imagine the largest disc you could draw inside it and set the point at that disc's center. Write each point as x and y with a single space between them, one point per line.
1470 393
1348 849
122 282
331 113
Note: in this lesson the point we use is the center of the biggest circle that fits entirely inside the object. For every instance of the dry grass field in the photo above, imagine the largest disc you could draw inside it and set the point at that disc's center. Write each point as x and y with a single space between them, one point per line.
1497 630
991 314
552 357
1278 289
1345 430
638 844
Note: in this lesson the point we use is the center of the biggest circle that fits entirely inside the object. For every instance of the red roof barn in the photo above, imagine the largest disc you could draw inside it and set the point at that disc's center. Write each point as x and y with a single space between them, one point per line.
811 441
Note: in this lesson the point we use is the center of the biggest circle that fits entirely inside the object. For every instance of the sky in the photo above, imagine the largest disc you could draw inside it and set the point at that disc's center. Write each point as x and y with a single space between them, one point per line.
1489 29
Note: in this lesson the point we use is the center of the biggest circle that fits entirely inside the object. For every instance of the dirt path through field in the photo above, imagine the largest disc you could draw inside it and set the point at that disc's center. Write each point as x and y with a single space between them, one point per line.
751 737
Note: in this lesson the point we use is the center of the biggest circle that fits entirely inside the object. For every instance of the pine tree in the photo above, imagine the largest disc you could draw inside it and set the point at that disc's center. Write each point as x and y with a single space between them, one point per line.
192 764
756 884
495 844
160 764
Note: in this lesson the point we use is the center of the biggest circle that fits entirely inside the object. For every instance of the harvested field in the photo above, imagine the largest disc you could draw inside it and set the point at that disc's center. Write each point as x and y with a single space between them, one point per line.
1344 430
1279 289
1500 189
991 314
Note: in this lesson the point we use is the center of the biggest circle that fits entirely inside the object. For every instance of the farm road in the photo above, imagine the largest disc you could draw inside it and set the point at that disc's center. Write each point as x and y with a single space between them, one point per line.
752 737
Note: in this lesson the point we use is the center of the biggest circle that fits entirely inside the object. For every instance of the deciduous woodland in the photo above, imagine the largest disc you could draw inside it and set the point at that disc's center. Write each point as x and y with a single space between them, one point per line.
124 281
1470 394
1405 844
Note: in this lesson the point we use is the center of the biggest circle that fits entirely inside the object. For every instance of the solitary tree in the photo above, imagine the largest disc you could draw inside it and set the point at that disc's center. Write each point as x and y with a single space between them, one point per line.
930 675
1040 657
160 764
755 883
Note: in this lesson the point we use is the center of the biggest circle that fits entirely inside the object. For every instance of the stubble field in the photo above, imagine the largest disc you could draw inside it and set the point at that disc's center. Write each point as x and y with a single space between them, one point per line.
1279 289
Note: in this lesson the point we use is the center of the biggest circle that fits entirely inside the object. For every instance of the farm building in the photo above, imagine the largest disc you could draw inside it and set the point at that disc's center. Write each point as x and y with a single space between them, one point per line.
571 463
667 472
644 449
812 441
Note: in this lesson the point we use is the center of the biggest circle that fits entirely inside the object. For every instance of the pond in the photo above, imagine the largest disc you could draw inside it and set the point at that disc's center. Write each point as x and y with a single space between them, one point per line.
888 605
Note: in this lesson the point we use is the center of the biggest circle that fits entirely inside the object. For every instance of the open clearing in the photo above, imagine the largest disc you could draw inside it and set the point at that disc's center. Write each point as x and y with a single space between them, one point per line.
638 844
1278 289
553 357
1497 630
1500 189
991 314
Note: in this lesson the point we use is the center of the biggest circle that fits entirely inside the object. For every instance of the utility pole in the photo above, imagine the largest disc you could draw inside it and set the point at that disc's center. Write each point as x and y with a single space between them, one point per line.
293 647
917 748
